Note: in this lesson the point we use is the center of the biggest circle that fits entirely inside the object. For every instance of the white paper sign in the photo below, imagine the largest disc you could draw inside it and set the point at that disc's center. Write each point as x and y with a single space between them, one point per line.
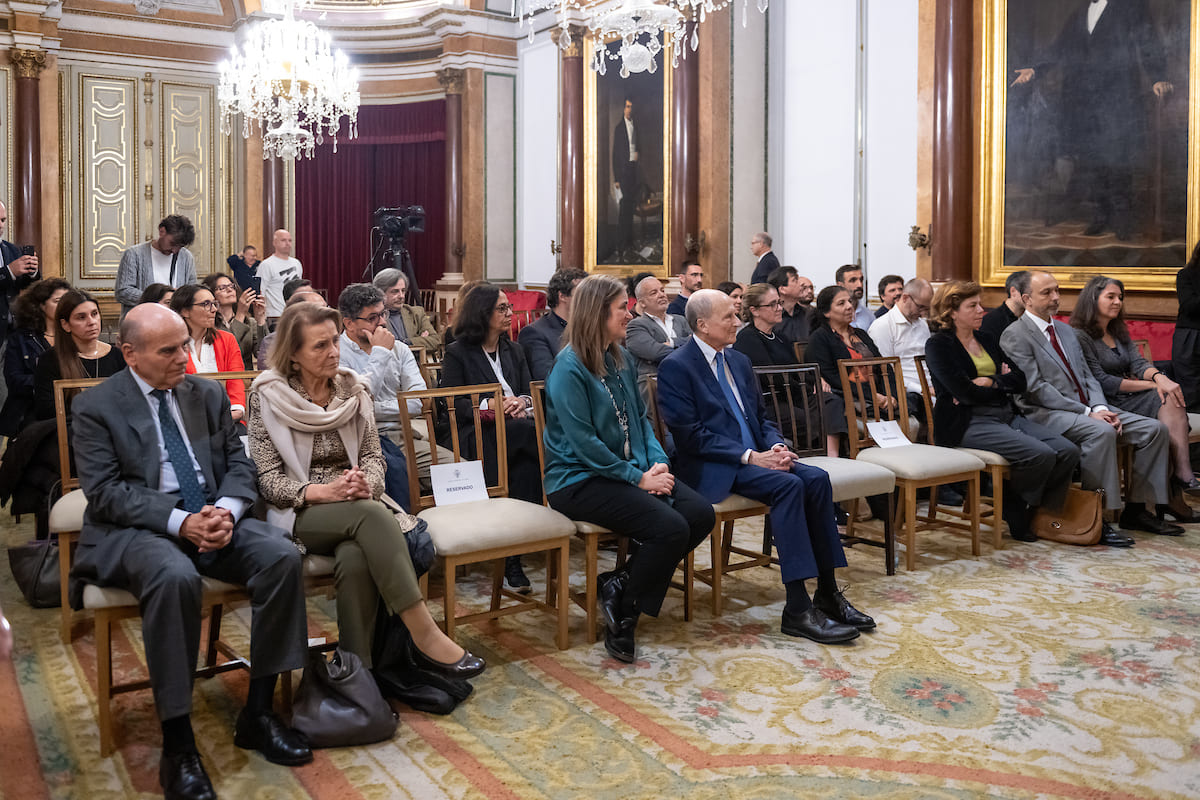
461 482
887 433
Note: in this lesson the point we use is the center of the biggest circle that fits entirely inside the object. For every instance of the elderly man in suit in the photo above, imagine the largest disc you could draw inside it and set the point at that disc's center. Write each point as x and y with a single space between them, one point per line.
1063 395
655 334
162 260
168 484
542 339
768 262
710 399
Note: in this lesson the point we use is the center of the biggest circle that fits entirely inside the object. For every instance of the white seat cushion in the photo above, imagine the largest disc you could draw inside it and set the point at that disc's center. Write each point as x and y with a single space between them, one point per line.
495 522
66 515
318 566
851 479
735 502
986 456
1194 425
587 528
916 462
110 597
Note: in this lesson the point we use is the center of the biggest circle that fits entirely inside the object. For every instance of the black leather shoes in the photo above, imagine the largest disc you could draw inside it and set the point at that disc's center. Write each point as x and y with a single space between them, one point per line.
610 588
813 624
182 777
1143 521
619 641
1111 538
466 667
265 732
1190 488
838 608
514 575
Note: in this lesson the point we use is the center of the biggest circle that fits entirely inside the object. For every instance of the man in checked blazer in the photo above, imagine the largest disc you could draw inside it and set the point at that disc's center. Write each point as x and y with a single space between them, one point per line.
1065 397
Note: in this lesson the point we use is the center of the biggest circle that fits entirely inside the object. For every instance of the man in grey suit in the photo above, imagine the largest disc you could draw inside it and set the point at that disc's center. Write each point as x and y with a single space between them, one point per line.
655 334
1065 397
154 527
162 260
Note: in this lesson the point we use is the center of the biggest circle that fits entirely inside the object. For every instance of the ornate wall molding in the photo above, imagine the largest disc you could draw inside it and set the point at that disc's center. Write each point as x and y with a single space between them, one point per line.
452 81
29 63
108 139
189 161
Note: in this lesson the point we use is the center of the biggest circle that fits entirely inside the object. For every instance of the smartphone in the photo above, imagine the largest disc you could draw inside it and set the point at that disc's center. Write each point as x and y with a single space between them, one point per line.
256 284
29 250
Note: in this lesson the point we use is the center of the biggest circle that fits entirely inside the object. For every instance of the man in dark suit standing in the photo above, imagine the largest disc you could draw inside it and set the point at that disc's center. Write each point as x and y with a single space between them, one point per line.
168 484
625 151
542 339
760 248
1104 50
709 398
19 271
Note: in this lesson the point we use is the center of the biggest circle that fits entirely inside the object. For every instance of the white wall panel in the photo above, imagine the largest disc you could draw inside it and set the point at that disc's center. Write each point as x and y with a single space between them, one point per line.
748 142
537 159
500 254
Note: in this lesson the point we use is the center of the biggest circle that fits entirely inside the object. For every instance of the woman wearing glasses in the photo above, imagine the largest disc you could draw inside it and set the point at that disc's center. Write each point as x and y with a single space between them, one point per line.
482 352
210 350
241 312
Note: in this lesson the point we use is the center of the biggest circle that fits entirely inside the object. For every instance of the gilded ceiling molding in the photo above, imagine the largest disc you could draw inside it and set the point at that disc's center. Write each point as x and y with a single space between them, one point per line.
452 81
29 63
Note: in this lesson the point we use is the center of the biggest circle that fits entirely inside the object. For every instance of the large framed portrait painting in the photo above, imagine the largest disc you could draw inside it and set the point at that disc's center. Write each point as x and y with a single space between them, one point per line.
627 138
1089 148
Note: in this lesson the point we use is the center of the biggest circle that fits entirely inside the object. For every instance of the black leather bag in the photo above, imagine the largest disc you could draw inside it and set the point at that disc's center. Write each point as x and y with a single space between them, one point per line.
339 705
35 567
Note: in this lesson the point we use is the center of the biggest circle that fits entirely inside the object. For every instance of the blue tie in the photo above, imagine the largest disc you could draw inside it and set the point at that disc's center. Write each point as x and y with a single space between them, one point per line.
731 399
177 453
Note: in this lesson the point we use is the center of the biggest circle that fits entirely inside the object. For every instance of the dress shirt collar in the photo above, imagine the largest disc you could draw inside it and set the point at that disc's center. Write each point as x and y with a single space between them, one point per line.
897 316
707 350
1042 325
146 388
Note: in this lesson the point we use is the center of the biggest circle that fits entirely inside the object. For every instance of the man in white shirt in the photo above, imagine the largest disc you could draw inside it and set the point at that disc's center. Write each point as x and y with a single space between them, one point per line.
902 332
370 349
850 278
162 260
277 270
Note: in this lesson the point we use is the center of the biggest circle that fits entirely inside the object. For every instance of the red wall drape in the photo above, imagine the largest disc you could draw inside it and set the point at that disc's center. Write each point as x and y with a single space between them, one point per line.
399 158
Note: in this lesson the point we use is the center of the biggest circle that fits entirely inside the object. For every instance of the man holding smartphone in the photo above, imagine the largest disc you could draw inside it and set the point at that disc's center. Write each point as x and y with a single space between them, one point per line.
20 269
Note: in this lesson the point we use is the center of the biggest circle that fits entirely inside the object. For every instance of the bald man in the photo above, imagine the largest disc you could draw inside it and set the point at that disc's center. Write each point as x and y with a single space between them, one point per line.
169 485
277 270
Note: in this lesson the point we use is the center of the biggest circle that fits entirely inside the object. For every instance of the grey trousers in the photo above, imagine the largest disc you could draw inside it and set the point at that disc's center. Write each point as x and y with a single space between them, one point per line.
1098 441
1042 461
371 561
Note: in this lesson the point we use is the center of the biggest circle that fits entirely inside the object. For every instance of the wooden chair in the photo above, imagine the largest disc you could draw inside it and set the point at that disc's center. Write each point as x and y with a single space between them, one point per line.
997 466
491 529
792 396
798 348
428 298
1143 347
916 466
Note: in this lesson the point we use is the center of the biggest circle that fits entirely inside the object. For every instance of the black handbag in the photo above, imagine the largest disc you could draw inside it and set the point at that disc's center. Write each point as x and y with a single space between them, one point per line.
35 567
339 705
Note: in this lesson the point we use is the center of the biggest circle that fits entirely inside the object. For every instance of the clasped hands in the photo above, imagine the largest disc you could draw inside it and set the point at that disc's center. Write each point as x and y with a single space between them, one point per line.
777 458
657 480
350 485
209 529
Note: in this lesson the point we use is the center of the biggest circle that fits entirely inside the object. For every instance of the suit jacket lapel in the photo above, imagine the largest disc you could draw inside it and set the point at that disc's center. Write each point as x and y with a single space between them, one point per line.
191 408
141 424
710 380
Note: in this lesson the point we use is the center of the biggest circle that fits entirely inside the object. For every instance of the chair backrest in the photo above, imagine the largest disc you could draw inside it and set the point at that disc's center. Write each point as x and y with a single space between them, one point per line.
432 372
418 352
428 297
526 317
863 380
1143 347
798 348
792 396
247 376
61 389
537 391
926 395
660 430
432 408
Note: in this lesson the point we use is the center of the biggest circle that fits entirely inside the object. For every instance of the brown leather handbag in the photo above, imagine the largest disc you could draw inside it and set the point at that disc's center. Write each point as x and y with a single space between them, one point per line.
1079 521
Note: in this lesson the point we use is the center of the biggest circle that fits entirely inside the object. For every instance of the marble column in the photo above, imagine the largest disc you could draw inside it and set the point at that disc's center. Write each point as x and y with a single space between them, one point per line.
571 225
685 166
25 209
272 194
952 141
453 82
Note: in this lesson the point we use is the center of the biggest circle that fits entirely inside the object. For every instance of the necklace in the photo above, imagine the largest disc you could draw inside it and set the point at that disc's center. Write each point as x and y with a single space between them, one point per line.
768 336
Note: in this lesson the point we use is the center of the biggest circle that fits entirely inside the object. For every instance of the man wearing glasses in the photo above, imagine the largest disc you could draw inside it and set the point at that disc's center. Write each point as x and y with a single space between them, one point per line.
902 332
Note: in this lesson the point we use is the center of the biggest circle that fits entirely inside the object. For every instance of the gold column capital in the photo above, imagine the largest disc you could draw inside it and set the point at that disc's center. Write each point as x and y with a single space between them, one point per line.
574 47
452 80
29 63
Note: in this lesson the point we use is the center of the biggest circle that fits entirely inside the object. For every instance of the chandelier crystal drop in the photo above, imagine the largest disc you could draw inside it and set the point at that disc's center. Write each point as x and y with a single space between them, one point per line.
288 82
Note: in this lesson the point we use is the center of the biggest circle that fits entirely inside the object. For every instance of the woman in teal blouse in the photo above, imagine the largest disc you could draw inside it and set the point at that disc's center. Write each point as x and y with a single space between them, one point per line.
604 466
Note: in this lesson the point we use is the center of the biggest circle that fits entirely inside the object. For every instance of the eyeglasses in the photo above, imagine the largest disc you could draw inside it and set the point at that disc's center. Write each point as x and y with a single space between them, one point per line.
225 287
208 305
776 304
504 308
373 319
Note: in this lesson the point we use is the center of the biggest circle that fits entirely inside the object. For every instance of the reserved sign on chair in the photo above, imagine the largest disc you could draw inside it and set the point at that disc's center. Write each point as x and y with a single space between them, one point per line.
460 482
887 433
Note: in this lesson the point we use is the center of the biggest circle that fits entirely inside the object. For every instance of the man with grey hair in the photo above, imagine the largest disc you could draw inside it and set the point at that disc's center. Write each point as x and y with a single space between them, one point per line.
652 336
370 349
760 248
408 323
999 318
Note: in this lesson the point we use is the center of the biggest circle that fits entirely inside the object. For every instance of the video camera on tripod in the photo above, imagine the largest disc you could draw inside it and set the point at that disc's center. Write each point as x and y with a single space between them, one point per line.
395 224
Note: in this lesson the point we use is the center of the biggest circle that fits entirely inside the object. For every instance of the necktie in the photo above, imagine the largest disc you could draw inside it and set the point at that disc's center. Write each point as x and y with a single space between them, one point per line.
177 453
1058 349
731 399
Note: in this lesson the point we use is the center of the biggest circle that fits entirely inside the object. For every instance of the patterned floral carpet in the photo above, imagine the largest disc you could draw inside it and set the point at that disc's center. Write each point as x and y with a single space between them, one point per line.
1035 671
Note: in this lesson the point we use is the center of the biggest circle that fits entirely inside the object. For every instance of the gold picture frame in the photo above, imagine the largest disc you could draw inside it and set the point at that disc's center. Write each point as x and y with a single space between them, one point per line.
994 78
600 89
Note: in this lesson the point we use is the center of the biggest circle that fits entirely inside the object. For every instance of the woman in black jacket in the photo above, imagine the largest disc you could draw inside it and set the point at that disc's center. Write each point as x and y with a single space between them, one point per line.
483 353
833 339
975 383
33 311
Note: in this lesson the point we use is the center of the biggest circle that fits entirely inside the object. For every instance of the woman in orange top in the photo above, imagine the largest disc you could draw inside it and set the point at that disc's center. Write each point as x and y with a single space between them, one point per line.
210 350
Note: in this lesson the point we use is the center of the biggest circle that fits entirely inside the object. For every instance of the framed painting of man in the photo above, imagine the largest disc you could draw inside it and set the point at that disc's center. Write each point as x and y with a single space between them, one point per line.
1089 121
627 163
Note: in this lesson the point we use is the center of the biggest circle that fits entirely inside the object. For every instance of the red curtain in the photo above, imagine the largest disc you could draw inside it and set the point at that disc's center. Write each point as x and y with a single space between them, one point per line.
399 158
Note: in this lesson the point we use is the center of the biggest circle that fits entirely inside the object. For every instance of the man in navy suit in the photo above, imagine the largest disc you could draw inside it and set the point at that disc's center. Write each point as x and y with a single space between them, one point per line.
708 396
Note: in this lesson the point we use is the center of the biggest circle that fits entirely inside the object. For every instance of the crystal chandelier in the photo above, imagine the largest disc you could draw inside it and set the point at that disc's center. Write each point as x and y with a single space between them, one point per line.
644 27
289 81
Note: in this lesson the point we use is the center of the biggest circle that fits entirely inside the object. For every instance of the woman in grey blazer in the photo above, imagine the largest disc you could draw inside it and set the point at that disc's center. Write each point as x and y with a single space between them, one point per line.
1130 382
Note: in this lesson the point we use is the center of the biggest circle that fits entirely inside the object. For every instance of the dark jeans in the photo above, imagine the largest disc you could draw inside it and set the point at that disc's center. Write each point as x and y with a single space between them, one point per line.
665 529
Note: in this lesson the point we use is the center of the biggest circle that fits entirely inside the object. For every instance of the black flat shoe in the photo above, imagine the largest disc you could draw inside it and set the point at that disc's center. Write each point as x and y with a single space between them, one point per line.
1190 488
813 624
466 667
182 777
610 588
265 732
838 608
514 576
1110 537
1177 514
619 643
1144 521
840 515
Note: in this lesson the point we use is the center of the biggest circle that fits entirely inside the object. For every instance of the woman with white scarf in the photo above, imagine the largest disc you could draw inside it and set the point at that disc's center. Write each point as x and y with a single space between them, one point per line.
320 469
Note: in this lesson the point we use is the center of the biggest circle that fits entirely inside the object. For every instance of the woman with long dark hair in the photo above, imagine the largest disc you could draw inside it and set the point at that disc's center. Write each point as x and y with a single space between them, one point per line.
78 350
834 338
242 313
210 350
33 312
